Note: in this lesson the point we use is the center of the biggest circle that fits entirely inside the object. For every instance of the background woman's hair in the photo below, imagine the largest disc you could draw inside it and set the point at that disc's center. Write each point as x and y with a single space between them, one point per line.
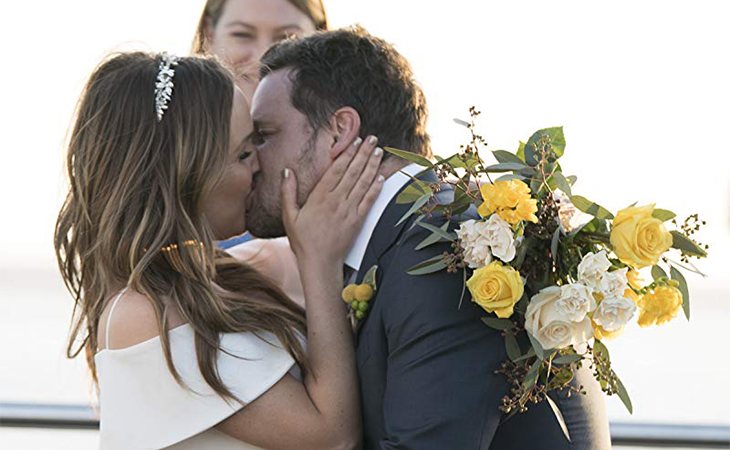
137 185
314 9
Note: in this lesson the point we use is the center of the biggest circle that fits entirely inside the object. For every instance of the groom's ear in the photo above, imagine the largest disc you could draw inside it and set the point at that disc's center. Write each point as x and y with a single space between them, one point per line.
345 126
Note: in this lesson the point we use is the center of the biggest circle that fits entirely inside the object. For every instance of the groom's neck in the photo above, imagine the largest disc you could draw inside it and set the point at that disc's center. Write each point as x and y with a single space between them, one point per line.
391 165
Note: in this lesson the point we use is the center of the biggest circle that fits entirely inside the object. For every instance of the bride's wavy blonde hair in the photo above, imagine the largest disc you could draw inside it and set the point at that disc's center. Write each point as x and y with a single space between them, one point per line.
138 185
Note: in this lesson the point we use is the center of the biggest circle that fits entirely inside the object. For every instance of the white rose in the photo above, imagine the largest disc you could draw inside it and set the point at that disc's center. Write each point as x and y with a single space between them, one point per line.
547 323
614 312
501 238
575 302
474 243
614 284
592 268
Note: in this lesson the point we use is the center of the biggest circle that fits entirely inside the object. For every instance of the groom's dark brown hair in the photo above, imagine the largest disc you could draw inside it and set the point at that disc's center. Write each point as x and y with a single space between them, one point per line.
350 67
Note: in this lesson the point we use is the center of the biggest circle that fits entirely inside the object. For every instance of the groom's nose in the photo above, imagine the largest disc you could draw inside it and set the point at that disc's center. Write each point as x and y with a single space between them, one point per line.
255 167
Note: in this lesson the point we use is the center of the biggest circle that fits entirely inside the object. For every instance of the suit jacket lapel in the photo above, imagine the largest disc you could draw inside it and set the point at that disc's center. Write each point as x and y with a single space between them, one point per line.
385 235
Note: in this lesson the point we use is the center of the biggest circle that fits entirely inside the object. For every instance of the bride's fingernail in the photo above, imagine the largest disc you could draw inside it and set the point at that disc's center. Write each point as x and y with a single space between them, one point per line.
372 140
378 151
357 142
286 173
381 178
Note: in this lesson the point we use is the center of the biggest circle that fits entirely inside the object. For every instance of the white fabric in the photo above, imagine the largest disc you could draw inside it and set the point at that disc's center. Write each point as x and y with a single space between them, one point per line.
109 317
391 186
143 407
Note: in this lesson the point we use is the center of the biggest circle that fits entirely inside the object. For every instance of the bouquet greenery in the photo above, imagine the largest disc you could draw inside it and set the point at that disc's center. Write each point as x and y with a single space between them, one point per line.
557 273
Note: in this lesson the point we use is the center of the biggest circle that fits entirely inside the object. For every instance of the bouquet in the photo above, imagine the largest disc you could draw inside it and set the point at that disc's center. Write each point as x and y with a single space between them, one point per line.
557 273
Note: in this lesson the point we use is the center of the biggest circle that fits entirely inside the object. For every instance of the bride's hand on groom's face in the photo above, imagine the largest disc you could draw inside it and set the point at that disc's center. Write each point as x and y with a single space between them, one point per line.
323 229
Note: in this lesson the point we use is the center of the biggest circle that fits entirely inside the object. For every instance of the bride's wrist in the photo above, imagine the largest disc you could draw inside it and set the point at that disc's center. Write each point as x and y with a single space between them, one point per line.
316 265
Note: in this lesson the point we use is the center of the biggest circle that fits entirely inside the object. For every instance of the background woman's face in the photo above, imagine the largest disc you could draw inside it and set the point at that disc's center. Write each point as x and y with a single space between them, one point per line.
226 206
247 28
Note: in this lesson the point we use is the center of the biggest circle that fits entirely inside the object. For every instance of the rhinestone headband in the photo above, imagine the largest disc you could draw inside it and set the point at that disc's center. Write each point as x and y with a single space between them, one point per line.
164 84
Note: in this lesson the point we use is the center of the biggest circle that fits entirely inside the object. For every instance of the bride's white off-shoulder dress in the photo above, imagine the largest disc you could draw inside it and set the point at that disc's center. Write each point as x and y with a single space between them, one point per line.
143 407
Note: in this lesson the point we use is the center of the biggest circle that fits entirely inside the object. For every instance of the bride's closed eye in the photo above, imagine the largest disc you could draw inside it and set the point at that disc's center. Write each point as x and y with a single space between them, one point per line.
244 155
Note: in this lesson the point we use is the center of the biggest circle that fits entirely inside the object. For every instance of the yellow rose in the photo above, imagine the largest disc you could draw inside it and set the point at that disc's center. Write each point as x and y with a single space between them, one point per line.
510 200
496 288
659 306
638 239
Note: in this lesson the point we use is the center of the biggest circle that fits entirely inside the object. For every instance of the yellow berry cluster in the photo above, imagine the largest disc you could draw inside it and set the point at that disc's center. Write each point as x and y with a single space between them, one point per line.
358 297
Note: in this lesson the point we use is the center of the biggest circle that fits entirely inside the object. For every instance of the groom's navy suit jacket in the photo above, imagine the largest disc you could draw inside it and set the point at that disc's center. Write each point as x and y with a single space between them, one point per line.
427 365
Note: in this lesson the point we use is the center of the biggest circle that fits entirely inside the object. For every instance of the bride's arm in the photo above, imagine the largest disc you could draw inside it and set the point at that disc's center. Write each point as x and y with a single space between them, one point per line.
323 411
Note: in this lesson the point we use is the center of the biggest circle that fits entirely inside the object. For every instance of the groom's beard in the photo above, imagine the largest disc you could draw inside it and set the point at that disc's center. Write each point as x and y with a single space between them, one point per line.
264 220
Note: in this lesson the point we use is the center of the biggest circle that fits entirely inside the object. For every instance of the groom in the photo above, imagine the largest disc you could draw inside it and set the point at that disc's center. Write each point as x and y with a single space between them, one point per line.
426 366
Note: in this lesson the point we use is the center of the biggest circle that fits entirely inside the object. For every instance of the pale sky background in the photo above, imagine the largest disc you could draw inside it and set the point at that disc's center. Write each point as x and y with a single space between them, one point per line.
642 88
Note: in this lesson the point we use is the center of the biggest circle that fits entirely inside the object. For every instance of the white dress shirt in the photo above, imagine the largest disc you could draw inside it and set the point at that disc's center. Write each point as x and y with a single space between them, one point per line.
391 186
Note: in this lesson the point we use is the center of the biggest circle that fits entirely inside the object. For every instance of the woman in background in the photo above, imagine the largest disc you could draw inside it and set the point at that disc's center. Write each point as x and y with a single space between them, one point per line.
239 32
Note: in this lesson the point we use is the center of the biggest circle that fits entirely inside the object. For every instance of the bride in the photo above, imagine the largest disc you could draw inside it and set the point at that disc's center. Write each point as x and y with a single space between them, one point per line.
190 347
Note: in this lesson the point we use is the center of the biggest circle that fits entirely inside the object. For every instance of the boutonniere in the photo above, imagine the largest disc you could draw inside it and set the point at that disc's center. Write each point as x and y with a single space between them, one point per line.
358 296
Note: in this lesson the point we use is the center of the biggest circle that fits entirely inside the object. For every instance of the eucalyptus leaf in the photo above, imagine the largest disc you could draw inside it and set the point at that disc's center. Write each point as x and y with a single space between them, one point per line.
557 140
539 351
683 288
463 123
572 179
498 324
554 245
535 185
562 183
430 265
521 151
623 394
663 214
657 273
505 167
686 245
532 374
413 192
530 353
511 346
369 277
600 348
559 417
415 207
510 176
591 208
504 156
409 156
440 231
567 359
433 238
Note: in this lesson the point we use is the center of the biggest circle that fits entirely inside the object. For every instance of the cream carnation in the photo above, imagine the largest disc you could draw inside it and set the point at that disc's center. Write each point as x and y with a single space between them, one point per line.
592 268
614 284
474 243
575 302
613 313
501 238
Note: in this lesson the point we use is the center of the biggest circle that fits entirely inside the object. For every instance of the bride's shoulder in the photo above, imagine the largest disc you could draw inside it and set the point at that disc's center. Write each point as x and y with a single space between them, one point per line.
128 319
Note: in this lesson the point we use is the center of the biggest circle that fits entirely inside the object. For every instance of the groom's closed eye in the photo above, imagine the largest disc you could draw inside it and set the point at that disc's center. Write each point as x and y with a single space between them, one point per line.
258 137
